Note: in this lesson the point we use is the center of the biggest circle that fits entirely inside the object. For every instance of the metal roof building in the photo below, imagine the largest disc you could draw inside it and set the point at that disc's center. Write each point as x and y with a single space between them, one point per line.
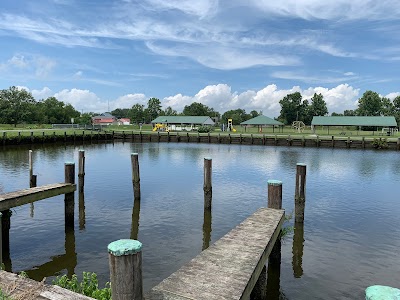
354 121
262 120
196 120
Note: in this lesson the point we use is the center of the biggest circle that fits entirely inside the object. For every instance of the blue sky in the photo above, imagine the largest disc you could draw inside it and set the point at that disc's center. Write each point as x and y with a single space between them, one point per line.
225 54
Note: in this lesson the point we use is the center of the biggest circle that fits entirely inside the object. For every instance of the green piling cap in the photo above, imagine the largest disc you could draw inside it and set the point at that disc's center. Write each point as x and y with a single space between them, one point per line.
381 292
124 247
134 153
81 150
301 164
207 158
274 182
69 163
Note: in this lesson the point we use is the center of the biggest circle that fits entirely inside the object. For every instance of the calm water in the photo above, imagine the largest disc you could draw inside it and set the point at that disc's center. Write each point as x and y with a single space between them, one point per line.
350 238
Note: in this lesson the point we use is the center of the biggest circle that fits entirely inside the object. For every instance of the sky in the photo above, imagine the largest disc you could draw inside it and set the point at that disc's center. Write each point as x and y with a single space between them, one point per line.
101 55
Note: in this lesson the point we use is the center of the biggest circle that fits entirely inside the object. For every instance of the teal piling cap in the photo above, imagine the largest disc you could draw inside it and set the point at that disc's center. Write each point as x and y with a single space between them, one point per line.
381 292
274 182
301 164
134 153
81 150
69 163
124 247
207 158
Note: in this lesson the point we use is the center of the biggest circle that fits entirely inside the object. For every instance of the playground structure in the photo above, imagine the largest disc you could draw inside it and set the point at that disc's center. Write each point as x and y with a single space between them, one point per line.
298 126
160 127
229 127
389 131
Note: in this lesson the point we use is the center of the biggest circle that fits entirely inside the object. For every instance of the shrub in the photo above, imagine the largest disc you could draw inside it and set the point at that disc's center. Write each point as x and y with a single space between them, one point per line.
204 129
380 144
89 286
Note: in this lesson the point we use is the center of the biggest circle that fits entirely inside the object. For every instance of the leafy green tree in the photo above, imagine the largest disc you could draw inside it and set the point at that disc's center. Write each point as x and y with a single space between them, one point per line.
237 115
396 109
388 108
137 113
318 105
153 108
53 111
349 112
16 106
254 114
198 109
85 118
120 113
170 112
370 104
335 114
293 109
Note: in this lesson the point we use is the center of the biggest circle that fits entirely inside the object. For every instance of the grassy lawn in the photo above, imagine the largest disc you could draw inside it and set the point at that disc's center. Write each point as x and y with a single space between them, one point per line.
337 132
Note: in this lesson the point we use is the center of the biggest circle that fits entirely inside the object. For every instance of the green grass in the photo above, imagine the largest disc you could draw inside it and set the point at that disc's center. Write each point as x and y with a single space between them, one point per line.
3 296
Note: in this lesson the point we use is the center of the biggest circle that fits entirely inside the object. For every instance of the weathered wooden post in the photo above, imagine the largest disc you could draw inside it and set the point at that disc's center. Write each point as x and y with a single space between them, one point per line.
69 203
135 174
81 207
207 187
300 193
333 141
5 238
125 259
363 143
31 136
81 170
32 178
274 260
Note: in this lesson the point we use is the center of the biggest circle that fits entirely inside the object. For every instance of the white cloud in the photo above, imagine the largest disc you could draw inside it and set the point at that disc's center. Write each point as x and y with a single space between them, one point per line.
40 65
349 74
391 96
44 93
82 100
43 66
127 101
18 61
313 79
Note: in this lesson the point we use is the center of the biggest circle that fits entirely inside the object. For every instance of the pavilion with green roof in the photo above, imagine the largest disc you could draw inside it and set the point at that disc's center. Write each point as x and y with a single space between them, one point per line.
262 121
187 123
388 122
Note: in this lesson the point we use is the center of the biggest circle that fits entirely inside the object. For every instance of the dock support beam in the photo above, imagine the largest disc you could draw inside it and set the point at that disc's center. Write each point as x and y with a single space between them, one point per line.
300 198
125 258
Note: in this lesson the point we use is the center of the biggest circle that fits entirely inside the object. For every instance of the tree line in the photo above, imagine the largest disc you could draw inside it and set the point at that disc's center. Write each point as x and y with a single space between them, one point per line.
19 106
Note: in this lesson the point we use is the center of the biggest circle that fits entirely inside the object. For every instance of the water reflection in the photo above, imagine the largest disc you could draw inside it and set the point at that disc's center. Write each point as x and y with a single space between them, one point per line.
207 228
274 272
5 244
297 249
135 217
82 215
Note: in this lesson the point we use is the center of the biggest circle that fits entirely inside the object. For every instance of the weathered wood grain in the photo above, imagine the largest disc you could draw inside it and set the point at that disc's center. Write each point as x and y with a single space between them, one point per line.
13 199
228 269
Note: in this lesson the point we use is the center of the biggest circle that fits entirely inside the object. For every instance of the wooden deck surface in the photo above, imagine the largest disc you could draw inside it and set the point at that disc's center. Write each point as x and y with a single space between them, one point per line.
228 269
13 199
22 288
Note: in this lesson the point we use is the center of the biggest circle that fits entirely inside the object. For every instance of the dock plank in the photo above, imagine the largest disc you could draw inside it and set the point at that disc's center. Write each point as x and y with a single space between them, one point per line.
228 269
23 288
13 199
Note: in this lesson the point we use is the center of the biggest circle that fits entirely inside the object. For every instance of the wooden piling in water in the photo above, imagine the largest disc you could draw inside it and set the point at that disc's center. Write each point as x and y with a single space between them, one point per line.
1 241
300 198
69 201
135 174
30 167
207 187
81 170
274 260
125 260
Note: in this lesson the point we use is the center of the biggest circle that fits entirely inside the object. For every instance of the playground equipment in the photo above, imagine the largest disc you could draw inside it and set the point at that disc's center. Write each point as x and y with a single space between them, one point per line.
298 126
230 126
389 131
160 127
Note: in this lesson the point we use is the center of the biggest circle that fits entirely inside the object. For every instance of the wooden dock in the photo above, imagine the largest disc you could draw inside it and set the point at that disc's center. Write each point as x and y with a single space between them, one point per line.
22 288
13 199
229 269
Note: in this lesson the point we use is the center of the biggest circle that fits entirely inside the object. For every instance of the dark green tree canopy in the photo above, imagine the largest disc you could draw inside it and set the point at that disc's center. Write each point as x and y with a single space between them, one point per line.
198 109
370 104
16 106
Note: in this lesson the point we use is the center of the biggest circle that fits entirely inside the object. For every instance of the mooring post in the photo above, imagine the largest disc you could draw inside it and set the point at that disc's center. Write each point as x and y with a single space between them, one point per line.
81 170
274 260
207 187
31 136
30 167
125 259
69 203
135 218
300 193
135 174
206 229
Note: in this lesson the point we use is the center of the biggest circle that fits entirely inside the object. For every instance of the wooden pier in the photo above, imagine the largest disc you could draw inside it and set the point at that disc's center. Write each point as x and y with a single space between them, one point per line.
13 199
229 269
22 288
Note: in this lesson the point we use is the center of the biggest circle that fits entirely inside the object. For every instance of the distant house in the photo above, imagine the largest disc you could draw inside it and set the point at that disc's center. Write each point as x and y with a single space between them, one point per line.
124 121
104 119
186 123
